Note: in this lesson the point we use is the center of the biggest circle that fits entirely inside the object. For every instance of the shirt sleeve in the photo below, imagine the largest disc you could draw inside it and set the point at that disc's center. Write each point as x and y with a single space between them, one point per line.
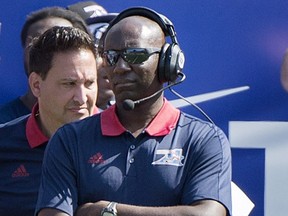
209 176
58 182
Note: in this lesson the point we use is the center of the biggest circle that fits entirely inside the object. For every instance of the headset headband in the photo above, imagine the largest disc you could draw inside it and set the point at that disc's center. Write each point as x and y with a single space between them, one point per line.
165 24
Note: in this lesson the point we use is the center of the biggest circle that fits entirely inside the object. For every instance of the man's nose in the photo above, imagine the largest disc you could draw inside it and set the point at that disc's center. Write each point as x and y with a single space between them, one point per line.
80 94
121 66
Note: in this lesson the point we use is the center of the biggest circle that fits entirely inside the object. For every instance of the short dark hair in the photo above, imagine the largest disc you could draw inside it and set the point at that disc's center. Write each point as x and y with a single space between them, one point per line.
49 12
54 40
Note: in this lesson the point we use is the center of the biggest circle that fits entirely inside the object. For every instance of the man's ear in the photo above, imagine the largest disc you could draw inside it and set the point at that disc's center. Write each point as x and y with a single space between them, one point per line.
34 82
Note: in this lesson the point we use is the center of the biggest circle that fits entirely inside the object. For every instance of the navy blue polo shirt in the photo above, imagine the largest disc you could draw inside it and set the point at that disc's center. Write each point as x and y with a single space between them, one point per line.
22 146
177 160
13 110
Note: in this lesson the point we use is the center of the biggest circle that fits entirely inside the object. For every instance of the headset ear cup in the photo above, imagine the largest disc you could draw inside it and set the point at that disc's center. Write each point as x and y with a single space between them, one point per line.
162 64
174 62
169 66
171 62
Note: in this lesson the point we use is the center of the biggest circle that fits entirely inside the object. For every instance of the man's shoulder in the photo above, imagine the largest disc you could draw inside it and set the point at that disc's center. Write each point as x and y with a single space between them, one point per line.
13 133
196 120
12 110
19 122
197 124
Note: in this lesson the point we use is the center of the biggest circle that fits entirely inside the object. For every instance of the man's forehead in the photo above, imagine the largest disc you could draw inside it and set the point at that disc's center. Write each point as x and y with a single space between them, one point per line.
135 30
135 20
135 24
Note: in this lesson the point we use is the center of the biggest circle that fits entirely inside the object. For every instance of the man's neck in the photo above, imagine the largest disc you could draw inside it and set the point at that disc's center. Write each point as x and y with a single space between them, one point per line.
139 118
29 100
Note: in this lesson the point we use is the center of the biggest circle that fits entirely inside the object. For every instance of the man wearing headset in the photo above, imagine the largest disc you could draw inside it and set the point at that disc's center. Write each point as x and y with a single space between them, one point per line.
141 156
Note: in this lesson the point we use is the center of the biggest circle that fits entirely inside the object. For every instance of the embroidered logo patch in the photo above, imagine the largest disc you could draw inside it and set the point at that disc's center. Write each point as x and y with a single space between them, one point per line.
96 159
171 157
20 172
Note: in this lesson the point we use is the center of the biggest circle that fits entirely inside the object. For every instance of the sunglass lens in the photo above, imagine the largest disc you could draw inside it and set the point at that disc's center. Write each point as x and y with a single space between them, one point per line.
111 57
135 56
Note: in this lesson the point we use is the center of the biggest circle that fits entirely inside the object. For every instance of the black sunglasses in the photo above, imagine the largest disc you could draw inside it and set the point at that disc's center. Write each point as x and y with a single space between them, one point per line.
130 55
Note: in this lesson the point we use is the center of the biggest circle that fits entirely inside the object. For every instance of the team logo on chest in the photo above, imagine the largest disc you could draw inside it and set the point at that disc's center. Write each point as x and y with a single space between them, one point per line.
171 157
96 159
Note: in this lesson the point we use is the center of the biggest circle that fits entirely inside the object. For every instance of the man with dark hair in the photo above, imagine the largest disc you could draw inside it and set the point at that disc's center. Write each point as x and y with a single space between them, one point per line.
141 156
36 23
63 78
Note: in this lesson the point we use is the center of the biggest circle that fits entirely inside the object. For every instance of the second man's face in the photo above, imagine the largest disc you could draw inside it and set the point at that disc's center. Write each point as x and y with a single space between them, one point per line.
69 91
132 80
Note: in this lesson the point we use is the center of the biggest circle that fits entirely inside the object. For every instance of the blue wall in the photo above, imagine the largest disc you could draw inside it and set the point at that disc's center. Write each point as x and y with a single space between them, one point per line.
226 44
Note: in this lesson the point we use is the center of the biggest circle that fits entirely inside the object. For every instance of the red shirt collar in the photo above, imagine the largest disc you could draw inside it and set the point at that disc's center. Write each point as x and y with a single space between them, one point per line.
34 135
161 125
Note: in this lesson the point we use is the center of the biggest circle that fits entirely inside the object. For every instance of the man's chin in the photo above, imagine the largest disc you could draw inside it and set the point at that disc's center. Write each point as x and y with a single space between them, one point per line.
78 116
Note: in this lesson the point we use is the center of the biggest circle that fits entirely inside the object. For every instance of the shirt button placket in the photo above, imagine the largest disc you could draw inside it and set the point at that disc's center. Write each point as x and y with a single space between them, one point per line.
131 160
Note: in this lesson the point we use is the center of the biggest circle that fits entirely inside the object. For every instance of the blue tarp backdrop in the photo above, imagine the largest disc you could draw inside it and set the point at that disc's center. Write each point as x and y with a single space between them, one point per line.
227 44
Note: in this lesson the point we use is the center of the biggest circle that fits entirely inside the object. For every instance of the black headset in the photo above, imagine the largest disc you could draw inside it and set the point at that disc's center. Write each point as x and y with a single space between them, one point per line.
171 59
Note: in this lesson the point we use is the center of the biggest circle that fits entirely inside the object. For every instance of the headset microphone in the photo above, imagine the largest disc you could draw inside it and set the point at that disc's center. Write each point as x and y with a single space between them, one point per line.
129 104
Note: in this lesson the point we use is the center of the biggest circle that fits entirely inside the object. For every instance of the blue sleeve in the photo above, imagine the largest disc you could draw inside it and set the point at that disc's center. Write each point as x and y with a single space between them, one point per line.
58 183
209 176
